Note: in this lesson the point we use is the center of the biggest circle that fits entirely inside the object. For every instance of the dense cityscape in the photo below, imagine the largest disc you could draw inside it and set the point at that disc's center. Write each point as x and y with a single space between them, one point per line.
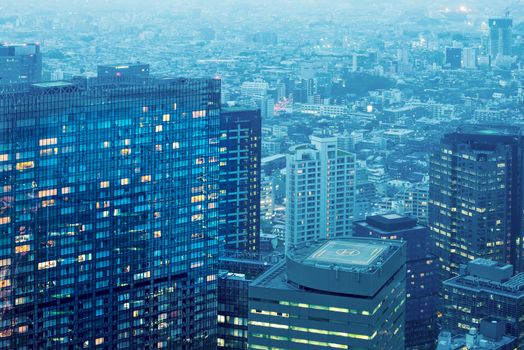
295 174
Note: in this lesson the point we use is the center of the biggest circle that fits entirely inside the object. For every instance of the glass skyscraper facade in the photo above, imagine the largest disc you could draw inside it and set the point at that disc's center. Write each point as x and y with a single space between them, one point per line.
109 215
475 197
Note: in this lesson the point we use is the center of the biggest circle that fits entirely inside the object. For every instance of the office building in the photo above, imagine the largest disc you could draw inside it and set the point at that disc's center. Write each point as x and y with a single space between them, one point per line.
421 283
485 289
341 293
20 63
453 57
109 215
123 71
240 157
320 191
475 197
500 37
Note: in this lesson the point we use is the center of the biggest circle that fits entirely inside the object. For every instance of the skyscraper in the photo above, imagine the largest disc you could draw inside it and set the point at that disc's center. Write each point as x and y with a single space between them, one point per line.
475 197
339 294
20 63
320 191
109 215
500 37
421 284
240 156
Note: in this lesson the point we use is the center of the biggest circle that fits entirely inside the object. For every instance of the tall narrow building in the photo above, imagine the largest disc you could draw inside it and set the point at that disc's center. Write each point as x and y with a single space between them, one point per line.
500 37
475 197
20 63
320 191
240 156
109 215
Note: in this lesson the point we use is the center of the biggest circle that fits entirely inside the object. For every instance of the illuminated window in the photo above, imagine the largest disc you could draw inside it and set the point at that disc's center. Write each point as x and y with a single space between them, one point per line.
196 199
47 142
25 165
176 145
5 283
22 248
145 178
47 264
47 193
125 151
104 184
99 341
199 114
166 117
158 128
158 234
124 182
145 109
4 157
5 220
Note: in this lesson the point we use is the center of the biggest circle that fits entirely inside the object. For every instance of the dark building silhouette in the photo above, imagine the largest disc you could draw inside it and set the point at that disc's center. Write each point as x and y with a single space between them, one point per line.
421 282
240 156
20 63
453 57
500 37
109 215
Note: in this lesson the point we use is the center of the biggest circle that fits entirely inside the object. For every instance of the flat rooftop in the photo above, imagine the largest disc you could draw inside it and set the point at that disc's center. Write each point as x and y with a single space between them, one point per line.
346 253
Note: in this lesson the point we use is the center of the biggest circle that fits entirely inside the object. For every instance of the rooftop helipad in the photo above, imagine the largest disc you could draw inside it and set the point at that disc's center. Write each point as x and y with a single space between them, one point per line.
348 253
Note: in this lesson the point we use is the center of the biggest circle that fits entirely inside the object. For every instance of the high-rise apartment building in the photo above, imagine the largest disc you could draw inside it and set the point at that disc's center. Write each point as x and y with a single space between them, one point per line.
339 294
421 282
500 37
240 173
20 63
320 191
109 215
485 289
475 197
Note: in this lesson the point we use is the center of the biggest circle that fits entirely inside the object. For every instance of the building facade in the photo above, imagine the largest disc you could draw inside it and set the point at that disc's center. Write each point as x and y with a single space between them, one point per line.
421 283
20 63
485 289
320 191
240 179
475 197
341 294
109 215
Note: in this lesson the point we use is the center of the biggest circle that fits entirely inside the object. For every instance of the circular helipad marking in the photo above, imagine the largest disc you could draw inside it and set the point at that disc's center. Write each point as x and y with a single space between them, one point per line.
348 252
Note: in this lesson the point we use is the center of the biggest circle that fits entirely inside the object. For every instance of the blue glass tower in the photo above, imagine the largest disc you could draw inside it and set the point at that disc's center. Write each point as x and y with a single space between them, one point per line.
109 215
